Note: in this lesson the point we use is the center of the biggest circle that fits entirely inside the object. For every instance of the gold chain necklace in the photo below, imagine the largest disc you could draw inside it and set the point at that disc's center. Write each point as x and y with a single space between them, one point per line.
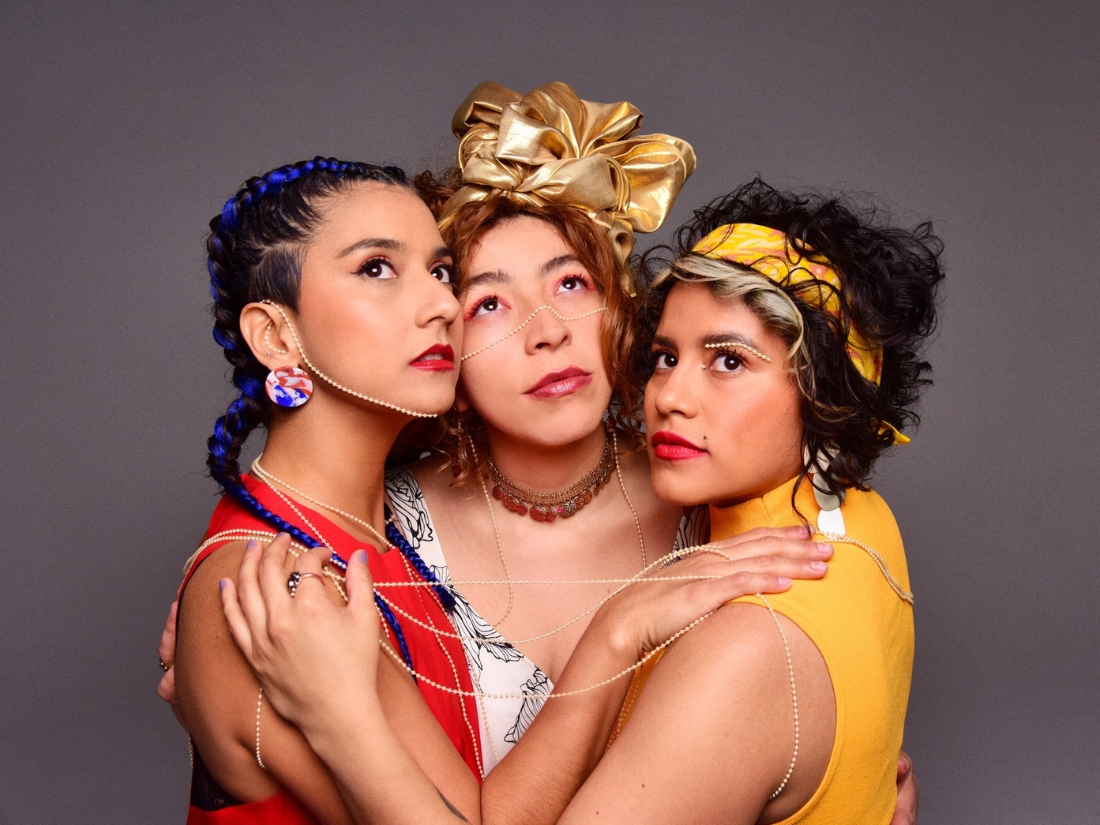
547 507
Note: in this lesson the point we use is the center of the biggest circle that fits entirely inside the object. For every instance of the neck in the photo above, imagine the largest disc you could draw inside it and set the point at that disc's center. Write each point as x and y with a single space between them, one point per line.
545 468
334 451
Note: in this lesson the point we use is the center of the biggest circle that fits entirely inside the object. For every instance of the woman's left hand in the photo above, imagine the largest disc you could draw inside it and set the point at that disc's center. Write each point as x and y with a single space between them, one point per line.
306 649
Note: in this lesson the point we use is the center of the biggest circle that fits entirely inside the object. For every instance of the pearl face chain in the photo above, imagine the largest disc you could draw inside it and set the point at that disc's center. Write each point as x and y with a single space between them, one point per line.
530 318
739 345
331 382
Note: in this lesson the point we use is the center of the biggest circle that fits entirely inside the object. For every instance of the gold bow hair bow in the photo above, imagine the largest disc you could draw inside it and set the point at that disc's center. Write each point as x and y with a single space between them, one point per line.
549 146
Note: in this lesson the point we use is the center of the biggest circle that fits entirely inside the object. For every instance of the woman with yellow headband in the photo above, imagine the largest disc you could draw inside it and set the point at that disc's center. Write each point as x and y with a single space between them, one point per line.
785 360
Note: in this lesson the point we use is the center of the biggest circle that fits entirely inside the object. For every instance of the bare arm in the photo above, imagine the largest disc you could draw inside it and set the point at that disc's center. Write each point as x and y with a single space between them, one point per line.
712 735
217 698
308 652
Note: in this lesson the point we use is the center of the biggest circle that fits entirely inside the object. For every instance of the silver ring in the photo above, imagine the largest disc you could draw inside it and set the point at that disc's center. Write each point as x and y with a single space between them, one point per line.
295 578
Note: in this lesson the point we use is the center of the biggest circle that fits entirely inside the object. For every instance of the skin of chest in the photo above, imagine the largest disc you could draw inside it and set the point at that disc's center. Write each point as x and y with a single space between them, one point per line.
599 543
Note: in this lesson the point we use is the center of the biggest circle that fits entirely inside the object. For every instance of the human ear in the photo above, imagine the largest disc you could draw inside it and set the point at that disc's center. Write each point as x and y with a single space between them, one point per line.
267 334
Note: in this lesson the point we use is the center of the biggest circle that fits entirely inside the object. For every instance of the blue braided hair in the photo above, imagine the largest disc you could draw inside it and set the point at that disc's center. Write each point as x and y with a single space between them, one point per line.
254 254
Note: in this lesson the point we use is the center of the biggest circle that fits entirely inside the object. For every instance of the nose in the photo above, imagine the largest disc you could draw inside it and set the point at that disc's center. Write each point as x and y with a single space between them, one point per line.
675 391
437 302
546 331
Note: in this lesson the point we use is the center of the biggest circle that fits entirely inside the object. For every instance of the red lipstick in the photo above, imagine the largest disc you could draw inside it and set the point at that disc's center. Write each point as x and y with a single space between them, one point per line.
672 447
559 383
436 358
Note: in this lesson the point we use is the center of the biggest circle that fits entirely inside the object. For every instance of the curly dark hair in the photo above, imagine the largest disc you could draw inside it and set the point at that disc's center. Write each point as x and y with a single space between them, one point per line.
888 282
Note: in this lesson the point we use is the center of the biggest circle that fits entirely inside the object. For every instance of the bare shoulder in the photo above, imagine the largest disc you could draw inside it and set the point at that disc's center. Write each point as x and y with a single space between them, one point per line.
713 732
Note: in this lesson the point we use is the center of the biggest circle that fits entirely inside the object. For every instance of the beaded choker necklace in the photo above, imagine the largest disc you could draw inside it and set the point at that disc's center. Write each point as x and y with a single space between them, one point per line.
548 506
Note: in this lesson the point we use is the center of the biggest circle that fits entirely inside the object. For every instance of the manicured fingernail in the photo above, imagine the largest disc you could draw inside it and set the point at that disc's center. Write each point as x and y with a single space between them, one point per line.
359 556
818 566
784 581
222 583
252 544
825 551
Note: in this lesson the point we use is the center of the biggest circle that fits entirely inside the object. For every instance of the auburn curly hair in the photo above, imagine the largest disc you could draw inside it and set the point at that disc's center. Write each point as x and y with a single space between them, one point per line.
589 242
888 282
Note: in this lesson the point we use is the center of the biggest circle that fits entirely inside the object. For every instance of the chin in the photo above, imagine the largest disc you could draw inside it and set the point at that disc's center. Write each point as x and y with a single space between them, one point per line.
675 487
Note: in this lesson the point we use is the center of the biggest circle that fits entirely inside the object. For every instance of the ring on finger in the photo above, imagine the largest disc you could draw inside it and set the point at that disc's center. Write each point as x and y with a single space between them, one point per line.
163 666
296 578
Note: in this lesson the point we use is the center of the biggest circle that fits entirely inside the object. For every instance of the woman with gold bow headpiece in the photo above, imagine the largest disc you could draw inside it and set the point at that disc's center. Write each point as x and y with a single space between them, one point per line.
541 500
786 357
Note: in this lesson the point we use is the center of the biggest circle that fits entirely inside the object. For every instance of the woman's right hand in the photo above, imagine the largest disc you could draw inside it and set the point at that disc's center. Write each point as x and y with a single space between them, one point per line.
764 560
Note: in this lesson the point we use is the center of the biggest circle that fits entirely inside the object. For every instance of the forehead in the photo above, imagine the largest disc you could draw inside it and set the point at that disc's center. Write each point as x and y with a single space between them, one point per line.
693 312
376 210
517 245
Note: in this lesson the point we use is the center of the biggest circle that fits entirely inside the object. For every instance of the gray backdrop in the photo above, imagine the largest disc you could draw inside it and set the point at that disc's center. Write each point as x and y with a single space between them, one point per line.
125 128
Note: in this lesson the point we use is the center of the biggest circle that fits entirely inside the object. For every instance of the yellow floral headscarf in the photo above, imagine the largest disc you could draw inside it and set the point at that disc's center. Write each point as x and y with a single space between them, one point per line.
769 252
549 146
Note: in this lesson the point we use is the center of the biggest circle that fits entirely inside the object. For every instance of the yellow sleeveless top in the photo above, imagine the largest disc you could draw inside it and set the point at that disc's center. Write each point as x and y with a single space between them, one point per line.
864 631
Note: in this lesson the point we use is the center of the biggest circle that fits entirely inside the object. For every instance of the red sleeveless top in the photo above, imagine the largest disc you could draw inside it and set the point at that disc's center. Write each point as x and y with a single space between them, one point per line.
440 659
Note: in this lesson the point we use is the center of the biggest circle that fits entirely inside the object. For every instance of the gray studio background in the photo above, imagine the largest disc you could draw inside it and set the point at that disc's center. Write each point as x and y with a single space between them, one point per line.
125 126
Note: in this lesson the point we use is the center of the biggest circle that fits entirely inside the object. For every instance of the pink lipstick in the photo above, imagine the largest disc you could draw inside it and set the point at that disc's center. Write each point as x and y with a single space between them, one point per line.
672 447
559 383
436 358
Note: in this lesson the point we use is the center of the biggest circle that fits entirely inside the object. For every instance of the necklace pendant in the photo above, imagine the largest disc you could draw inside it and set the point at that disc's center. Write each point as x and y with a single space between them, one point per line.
544 514
569 508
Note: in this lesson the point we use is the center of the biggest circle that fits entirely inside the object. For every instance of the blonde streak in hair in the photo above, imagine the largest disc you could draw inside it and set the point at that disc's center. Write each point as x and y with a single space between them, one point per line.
731 280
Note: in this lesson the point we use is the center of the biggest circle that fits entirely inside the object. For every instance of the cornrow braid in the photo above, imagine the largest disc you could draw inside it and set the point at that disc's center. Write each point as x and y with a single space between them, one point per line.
254 254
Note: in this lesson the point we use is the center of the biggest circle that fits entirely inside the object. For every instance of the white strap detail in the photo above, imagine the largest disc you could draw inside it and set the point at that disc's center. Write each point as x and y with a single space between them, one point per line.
831 522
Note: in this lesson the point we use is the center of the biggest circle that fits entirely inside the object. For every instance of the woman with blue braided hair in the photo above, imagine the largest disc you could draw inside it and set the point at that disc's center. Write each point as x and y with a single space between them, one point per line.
333 303
315 264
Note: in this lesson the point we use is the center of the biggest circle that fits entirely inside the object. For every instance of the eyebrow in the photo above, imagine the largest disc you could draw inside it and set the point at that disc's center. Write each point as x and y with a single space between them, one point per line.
734 339
557 263
719 339
374 243
499 276
496 276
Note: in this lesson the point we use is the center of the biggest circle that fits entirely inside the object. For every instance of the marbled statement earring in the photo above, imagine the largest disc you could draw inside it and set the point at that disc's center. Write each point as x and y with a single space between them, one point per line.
289 386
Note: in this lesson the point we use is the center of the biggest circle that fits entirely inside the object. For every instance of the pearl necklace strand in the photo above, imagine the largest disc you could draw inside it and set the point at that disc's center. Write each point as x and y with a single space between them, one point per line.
267 478
331 382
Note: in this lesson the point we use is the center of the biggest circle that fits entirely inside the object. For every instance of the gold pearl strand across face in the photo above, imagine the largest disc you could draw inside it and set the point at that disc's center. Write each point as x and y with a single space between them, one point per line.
332 382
